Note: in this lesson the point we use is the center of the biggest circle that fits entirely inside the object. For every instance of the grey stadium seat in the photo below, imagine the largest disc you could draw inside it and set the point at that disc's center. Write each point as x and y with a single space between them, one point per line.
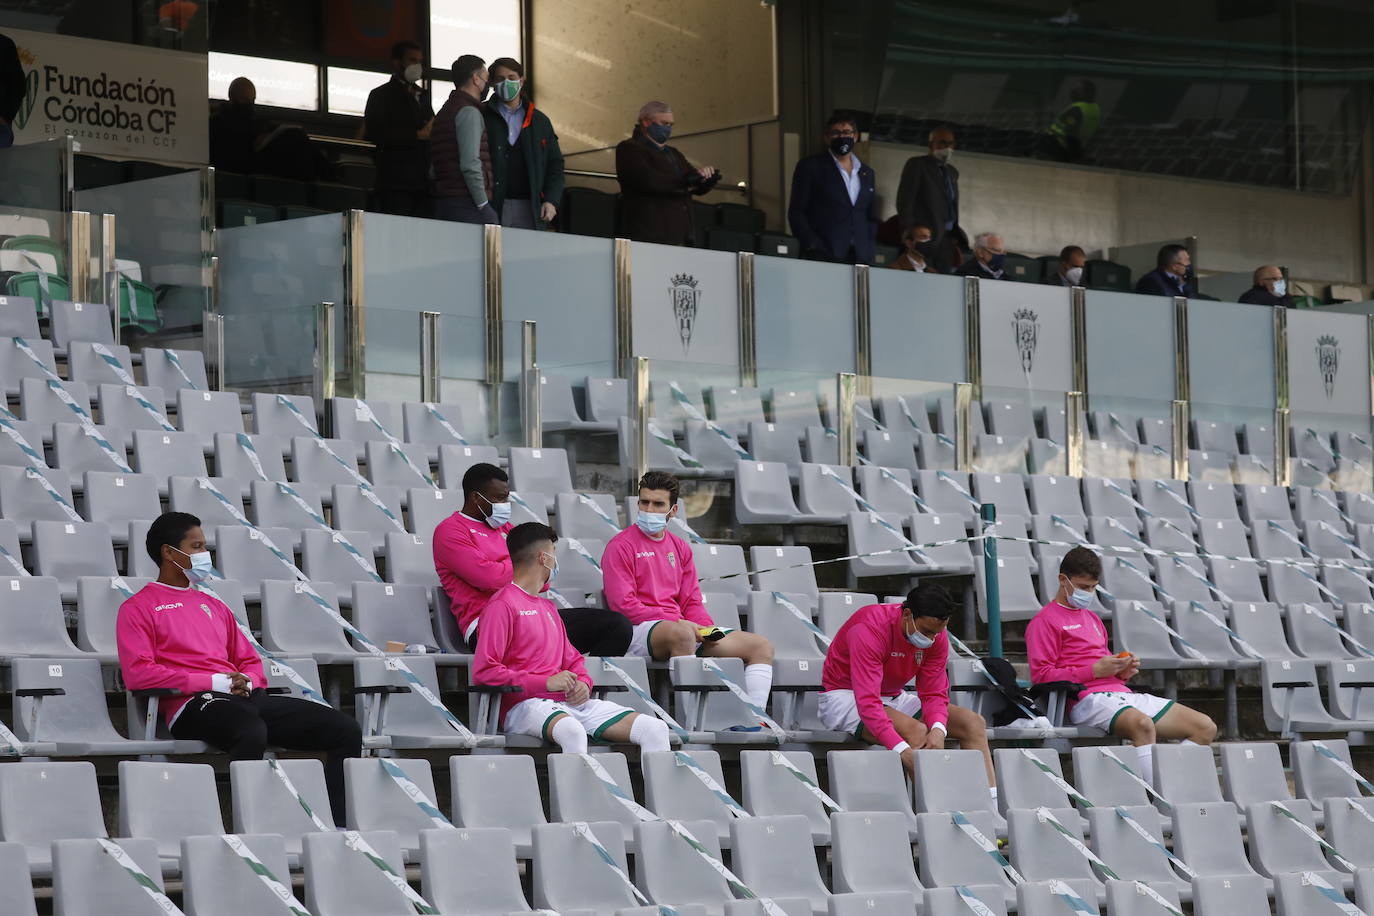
376 802
87 881
671 791
570 875
1252 772
208 413
871 853
1040 853
350 421
23 499
497 790
261 803
1261 625
867 536
766 793
668 872
1318 778
340 880
120 410
323 557
774 857
73 321
189 494
1020 784
949 857
763 495
1207 837
47 801
1259 502
575 793
39 629
387 612
423 428
938 490
1101 497
293 624
1102 781
311 461
1348 830
1006 491
243 556
216 882
410 559
164 802
1186 773
1221 895
954 780
945 900
541 471
16 889
160 372
15 365
353 511
233 463
164 454
454 461
871 781
410 721
1018 598
793 409
1124 898
895 449
85 365
1278 846
770 442
1127 854
735 408
471 871
1038 898
576 519
1050 494
1213 500
714 561
67 550
400 466
784 569
933 528
114 499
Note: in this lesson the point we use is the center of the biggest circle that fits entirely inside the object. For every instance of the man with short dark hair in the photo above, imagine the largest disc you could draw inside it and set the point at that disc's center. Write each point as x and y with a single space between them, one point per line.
835 220
1070 269
526 163
173 635
398 120
657 182
1171 276
459 152
522 643
1066 641
473 564
872 657
651 578
1271 288
928 194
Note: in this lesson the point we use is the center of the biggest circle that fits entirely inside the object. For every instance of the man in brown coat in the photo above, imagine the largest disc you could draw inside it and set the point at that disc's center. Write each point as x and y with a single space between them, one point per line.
657 182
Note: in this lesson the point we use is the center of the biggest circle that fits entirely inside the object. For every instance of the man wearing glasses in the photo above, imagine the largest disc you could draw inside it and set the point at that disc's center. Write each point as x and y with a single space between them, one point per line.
832 209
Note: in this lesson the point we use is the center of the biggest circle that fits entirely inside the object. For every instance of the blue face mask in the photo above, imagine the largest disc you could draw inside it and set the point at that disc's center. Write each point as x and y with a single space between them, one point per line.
652 523
200 568
1280 287
553 570
500 512
659 133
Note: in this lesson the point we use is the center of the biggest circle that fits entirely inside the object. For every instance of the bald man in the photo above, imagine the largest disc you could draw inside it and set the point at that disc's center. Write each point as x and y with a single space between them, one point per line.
235 128
1271 288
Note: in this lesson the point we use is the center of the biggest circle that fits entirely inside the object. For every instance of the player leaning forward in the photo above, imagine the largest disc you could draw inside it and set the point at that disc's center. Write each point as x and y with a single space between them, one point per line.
873 656
521 641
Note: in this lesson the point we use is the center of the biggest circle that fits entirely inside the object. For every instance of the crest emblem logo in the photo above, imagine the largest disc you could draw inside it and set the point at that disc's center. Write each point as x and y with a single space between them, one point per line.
685 298
1026 326
1328 362
672 559
208 613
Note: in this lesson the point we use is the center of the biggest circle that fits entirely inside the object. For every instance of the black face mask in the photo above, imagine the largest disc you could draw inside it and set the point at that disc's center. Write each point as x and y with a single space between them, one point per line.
925 249
841 146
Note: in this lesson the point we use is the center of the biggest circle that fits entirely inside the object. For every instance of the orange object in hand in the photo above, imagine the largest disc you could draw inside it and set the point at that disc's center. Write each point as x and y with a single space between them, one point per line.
1123 655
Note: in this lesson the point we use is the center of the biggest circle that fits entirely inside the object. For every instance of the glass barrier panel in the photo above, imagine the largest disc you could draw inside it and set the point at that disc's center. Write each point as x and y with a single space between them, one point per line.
566 284
917 325
1130 352
1231 362
804 314
38 176
34 255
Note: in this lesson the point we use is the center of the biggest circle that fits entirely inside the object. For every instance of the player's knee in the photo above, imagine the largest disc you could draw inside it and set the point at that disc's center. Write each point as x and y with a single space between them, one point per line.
650 734
251 741
965 724
569 735
761 651
1137 728
1207 731
912 731
681 640
349 737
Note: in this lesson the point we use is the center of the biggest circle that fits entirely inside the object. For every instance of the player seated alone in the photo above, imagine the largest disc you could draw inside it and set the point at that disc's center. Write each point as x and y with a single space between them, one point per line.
521 642
1067 642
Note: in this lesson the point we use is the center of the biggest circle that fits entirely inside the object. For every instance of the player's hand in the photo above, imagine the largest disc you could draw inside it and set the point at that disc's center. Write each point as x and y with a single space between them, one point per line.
562 682
935 740
1131 670
909 758
706 172
547 211
238 684
579 694
424 132
1109 665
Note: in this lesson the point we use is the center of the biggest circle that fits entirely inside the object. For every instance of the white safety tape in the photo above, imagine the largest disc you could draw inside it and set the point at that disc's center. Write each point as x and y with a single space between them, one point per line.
445 424
695 414
987 846
415 794
682 758
780 599
354 841
149 886
321 825
271 881
778 731
780 759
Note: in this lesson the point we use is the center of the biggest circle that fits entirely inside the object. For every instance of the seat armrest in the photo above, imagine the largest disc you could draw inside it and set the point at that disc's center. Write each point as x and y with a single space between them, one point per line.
381 689
148 692
41 692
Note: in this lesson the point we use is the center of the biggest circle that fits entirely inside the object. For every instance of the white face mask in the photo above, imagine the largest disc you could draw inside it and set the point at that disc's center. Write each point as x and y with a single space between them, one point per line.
413 73
1074 275
500 512
920 640
1280 287
944 155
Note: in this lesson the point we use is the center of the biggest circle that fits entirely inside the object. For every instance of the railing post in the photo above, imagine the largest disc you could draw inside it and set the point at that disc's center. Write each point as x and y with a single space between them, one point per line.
494 310
963 426
212 348
1282 446
531 386
431 360
1180 439
79 256
325 372
640 393
1077 433
987 512
845 387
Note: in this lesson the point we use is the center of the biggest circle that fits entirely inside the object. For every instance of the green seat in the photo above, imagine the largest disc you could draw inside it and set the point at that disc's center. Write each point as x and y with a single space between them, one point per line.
1306 302
1099 274
885 255
28 284
138 306
1021 268
39 243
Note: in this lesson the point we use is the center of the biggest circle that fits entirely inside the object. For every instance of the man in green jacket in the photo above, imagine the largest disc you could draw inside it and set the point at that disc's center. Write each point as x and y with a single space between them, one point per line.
526 163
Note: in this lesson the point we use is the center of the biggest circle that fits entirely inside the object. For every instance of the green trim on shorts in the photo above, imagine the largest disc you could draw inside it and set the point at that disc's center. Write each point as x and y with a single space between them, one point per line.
544 729
1111 726
649 641
726 631
1159 715
596 735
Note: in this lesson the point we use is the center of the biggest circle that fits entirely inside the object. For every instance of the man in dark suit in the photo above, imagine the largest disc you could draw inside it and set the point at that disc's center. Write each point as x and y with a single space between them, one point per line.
1069 272
657 182
831 212
928 195
1271 288
12 83
1170 276
398 119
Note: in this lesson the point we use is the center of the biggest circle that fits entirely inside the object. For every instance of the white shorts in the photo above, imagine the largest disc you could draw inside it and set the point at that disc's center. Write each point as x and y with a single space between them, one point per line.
840 712
639 638
531 717
1099 710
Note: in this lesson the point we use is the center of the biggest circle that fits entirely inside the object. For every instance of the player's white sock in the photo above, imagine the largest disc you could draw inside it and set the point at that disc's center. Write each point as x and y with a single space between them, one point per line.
569 735
1145 762
992 790
650 734
758 682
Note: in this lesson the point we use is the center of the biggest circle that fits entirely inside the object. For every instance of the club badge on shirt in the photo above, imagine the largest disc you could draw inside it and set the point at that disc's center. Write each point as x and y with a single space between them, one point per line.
672 559
208 613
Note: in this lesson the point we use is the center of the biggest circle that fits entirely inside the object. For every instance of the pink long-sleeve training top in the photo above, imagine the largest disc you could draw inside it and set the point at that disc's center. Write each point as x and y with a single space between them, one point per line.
521 641
872 657
473 564
180 638
645 579
1063 643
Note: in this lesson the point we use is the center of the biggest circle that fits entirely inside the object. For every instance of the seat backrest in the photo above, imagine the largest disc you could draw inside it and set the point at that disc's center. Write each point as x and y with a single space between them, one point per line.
735 408
774 857
1213 500
579 572
31 622
86 364
1252 772
1051 494
387 612
66 550
766 790
377 802
668 873
1220 895
23 498
43 801
262 803
1042 898
406 713
672 791
1040 852
794 409
949 780
167 801
216 883
871 852
243 555
1124 850
1278 845
81 321
576 794
1186 773
1261 625
784 569
579 520
87 881
1316 776
497 790
945 900
716 560
115 499
950 857
231 459
354 511
1020 784
294 624
324 557
770 442
163 454
540 470
189 494
791 638
870 781
121 409
569 872
16 889
1281 678
1102 781
311 460
15 364
471 870
422 426
340 880
352 419
1350 830
1207 837
209 412
762 489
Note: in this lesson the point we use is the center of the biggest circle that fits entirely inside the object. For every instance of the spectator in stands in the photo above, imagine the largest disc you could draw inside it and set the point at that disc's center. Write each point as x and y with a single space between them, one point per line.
929 194
651 578
471 559
526 163
1271 288
1070 270
398 119
918 250
872 657
11 89
988 257
174 636
523 643
1068 138
657 182
241 140
835 220
1067 642
459 152
1171 274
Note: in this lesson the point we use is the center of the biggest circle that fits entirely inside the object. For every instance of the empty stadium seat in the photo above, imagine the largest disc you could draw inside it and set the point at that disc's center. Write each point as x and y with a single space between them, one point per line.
376 802
471 870
497 791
